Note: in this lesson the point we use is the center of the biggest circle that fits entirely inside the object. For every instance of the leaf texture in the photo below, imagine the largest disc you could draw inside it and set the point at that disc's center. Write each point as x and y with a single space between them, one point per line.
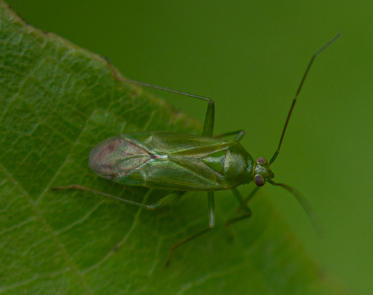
57 102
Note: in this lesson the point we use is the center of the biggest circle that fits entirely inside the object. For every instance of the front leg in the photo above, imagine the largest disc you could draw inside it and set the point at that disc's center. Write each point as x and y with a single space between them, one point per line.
243 206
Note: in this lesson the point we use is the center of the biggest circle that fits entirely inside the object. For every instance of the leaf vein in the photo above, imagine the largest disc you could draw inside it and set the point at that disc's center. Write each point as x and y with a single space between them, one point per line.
122 241
49 229
80 220
63 163
209 276
21 85
18 225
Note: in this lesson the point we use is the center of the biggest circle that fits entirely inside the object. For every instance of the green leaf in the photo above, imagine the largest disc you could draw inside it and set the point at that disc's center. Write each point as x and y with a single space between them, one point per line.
57 102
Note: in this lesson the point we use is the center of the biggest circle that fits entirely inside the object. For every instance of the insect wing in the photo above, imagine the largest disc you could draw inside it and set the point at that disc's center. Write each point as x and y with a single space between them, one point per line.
180 162
116 157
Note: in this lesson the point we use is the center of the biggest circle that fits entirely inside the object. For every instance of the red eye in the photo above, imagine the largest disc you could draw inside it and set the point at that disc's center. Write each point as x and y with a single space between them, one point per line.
261 161
259 180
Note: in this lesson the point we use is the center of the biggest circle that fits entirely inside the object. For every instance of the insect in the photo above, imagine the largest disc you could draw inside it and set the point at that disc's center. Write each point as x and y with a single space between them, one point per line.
179 163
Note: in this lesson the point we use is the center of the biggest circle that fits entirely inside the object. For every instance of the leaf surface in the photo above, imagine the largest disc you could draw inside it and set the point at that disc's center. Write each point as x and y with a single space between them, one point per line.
57 102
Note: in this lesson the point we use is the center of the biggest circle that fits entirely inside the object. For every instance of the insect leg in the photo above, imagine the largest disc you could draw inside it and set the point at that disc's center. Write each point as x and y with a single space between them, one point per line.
251 195
208 126
239 134
230 221
243 206
211 208
87 189
242 201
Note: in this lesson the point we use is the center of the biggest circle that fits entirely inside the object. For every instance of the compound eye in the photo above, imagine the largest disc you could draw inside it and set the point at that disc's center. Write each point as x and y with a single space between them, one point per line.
259 180
261 161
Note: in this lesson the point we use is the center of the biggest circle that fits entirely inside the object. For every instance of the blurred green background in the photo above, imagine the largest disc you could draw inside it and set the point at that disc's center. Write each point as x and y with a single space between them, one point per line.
250 56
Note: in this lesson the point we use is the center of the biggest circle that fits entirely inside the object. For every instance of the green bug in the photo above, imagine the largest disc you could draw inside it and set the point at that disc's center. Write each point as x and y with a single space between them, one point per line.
178 163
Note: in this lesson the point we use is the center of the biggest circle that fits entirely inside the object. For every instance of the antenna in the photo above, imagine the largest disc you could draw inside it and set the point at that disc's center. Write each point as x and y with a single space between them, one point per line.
302 201
327 44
